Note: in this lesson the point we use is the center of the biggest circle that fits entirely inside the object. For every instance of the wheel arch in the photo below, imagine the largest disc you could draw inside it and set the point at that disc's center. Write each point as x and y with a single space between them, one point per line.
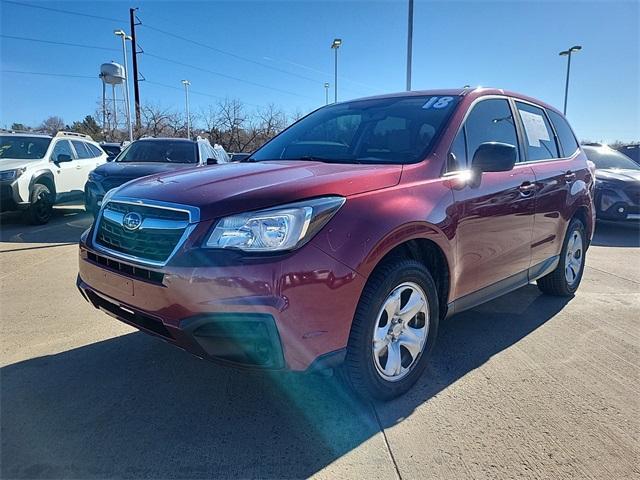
45 177
430 249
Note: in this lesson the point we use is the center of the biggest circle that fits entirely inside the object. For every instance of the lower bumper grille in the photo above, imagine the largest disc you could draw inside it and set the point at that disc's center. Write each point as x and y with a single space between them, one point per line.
129 270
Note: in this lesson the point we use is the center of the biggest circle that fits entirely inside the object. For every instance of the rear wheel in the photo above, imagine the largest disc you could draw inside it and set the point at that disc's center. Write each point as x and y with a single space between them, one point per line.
565 279
393 331
41 204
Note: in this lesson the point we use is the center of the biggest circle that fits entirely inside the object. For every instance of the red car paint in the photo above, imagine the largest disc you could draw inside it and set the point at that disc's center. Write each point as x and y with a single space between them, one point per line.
487 233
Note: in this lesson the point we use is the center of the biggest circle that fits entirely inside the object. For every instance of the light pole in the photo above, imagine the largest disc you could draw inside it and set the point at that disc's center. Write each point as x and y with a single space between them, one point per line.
326 93
568 53
409 45
125 37
336 45
186 84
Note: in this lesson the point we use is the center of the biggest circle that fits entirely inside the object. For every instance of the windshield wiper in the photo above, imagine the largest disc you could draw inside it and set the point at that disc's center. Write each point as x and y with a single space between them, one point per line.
313 158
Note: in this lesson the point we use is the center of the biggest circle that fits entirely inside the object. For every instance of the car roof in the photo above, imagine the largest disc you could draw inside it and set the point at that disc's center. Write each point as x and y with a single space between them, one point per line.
462 92
25 134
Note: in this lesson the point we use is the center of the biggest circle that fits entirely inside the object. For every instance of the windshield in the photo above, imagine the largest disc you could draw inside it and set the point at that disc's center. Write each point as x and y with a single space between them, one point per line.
164 151
387 130
23 148
605 157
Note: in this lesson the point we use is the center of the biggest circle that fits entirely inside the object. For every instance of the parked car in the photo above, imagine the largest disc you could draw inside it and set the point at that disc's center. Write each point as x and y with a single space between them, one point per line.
146 157
112 149
617 194
632 151
37 171
350 235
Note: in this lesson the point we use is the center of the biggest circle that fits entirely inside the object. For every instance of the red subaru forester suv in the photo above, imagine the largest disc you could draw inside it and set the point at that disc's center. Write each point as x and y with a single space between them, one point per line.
349 236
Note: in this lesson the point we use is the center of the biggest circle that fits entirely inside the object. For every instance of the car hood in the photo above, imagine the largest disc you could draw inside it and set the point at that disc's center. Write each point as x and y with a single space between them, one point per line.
12 164
139 169
235 187
618 175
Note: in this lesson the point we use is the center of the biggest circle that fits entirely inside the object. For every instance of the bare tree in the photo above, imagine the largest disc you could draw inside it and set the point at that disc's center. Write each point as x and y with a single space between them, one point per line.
52 125
155 121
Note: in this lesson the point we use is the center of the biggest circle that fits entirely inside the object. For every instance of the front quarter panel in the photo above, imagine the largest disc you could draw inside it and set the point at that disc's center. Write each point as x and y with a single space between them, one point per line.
370 225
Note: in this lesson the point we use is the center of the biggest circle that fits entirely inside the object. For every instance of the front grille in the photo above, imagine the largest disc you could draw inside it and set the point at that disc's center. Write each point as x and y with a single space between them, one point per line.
154 241
129 270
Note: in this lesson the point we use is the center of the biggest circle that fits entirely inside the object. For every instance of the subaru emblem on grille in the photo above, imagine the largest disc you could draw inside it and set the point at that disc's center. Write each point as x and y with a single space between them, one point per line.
132 221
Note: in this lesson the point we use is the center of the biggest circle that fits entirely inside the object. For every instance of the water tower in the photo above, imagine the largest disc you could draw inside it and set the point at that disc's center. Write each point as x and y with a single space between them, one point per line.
112 74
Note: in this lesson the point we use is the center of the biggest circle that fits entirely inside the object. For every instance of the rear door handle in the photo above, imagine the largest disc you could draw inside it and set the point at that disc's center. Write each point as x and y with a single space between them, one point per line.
527 189
569 176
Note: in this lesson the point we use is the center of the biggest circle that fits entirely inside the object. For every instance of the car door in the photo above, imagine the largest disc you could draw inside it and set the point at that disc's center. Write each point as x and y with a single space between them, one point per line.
555 176
87 161
495 209
66 174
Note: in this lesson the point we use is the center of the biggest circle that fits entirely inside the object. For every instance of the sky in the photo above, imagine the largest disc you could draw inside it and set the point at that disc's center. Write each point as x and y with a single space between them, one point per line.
278 52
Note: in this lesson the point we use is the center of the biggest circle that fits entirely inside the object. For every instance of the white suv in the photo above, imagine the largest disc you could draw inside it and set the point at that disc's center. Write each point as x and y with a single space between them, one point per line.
37 171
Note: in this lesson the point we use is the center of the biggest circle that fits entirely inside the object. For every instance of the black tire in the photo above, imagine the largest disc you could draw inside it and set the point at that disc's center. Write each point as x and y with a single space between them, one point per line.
360 368
41 204
556 282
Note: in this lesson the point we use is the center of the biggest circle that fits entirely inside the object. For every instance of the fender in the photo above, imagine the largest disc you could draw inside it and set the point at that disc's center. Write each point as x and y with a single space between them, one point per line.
42 173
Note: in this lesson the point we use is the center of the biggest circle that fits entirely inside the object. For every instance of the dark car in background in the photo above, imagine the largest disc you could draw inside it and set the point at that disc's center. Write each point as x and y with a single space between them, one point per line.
617 194
632 151
112 149
149 156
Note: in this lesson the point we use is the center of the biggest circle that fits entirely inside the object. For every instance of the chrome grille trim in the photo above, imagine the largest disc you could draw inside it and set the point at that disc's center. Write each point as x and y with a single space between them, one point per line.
149 224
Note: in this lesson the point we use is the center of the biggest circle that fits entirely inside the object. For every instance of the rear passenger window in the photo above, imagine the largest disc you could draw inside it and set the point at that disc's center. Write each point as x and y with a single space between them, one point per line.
95 151
81 149
565 134
490 121
539 139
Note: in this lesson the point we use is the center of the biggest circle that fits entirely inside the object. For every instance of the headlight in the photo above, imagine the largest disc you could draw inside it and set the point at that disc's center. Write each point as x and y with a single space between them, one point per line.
9 175
275 229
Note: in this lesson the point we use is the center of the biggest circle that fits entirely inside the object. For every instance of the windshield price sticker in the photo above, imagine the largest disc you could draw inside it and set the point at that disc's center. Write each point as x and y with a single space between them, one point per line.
437 102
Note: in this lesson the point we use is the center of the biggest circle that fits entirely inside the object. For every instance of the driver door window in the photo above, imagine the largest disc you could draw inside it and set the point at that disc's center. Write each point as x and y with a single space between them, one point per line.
63 147
490 121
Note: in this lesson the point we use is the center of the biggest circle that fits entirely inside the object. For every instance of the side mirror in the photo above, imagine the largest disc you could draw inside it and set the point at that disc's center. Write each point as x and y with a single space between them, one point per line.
212 161
63 157
494 157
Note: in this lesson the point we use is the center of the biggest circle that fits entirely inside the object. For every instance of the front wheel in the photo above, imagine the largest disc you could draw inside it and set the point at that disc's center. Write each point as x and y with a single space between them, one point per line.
41 204
393 330
566 278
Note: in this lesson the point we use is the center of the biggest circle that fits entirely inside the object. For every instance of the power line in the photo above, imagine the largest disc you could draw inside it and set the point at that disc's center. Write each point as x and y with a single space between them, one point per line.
59 10
51 74
195 92
52 42
230 54
249 82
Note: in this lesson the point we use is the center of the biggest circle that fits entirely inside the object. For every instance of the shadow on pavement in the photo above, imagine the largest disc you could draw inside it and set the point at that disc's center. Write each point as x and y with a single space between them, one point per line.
132 406
617 234
66 226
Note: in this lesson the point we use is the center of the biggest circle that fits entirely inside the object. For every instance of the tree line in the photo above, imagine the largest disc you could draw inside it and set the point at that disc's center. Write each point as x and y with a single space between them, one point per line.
228 123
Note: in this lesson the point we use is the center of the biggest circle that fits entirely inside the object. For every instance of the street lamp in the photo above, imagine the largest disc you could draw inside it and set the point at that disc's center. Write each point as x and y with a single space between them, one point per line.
336 45
568 53
409 44
125 37
186 84
326 93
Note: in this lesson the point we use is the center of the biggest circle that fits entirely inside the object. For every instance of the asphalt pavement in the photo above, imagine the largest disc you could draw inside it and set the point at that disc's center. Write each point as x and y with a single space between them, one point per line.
526 386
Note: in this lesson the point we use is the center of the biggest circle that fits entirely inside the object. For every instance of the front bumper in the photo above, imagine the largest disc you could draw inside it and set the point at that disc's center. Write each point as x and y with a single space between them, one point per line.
93 195
289 312
616 205
10 197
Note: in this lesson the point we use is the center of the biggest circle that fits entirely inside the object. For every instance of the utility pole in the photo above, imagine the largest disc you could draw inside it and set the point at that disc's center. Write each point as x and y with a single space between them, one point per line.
409 45
134 59
326 93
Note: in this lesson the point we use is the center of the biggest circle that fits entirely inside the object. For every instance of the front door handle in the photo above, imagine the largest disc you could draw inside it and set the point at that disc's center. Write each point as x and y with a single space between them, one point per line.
569 176
527 189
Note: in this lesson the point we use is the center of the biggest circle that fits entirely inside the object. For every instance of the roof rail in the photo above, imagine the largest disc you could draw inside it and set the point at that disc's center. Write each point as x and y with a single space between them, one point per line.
73 134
